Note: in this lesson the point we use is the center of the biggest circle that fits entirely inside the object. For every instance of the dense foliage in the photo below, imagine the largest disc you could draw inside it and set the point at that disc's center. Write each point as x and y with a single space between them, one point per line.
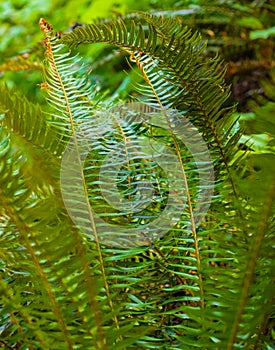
79 273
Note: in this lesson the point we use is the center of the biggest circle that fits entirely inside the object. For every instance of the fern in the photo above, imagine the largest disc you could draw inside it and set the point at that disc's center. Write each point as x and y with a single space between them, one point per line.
30 60
20 63
103 276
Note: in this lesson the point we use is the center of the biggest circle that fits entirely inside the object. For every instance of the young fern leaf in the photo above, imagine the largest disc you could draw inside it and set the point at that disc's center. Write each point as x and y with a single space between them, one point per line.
72 107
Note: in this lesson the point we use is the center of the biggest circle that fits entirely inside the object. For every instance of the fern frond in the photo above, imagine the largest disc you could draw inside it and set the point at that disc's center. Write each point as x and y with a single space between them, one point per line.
126 140
31 134
29 60
19 63
151 66
75 110
170 59
21 217
169 62
177 72
19 116
260 213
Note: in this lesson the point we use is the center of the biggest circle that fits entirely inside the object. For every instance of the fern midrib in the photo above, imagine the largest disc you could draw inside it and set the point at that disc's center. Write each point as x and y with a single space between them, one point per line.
193 225
25 232
48 38
122 133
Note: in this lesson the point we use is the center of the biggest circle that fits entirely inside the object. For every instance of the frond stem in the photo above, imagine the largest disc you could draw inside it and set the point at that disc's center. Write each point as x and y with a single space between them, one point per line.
192 218
47 30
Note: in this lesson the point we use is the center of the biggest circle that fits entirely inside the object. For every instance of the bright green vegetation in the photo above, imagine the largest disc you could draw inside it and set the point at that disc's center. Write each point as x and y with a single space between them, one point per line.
205 284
